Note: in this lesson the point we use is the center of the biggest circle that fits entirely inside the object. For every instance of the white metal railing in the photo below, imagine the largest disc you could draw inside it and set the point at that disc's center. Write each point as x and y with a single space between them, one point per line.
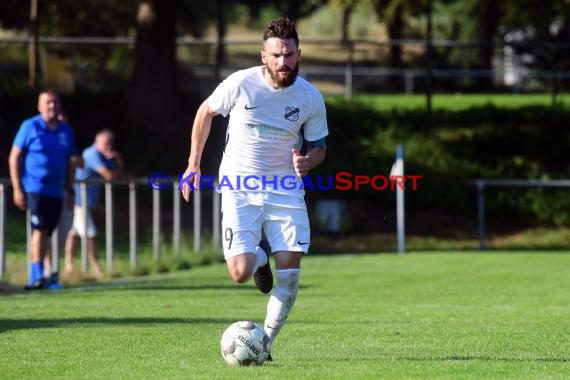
348 74
348 70
481 184
133 187
241 40
4 183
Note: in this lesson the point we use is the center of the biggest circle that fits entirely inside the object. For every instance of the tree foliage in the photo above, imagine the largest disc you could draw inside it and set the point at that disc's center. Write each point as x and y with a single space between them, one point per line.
71 17
533 27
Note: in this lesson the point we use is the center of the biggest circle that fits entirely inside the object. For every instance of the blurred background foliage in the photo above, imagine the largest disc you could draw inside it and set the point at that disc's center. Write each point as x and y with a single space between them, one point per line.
147 85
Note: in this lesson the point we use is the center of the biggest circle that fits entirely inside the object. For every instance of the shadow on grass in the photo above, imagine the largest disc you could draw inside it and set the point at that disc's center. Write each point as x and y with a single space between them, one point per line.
153 284
24 324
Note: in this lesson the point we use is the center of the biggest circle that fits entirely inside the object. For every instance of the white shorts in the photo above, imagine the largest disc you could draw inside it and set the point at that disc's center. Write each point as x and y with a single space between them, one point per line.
283 218
79 223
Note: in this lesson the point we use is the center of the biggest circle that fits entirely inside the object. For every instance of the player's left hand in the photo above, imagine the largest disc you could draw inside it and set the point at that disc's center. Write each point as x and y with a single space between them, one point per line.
300 163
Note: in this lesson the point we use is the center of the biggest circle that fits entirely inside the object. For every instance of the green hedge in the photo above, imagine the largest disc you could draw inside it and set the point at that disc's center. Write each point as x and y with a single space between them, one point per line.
450 147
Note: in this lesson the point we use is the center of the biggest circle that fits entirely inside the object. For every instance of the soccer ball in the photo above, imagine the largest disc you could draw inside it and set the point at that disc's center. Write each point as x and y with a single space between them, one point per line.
244 343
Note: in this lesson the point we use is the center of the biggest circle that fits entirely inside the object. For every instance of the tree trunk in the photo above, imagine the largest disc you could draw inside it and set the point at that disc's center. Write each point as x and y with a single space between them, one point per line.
152 98
395 27
346 12
396 32
488 24
221 58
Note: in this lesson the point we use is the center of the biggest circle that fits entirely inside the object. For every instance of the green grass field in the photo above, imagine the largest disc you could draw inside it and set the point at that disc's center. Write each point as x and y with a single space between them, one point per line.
416 316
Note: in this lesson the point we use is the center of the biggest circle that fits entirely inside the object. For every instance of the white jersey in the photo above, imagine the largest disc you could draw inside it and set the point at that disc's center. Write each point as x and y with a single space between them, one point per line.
264 126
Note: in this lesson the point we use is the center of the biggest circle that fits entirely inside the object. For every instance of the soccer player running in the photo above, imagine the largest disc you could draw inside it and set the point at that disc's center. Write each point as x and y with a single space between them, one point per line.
272 110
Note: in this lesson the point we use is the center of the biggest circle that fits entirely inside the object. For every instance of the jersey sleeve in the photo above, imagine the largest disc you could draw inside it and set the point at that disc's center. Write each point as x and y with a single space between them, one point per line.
222 99
316 127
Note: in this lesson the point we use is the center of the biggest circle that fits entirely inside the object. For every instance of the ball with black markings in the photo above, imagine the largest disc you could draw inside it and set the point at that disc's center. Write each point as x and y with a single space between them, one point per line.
244 343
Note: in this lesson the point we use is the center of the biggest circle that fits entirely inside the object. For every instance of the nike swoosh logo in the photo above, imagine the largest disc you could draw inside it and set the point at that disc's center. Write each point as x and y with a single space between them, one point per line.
301 243
251 108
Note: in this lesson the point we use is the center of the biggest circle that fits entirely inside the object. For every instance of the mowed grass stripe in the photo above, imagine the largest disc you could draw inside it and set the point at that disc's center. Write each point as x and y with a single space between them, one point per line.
437 315
457 102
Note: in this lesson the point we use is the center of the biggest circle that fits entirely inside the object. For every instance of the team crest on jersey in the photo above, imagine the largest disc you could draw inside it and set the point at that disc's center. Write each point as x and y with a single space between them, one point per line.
291 113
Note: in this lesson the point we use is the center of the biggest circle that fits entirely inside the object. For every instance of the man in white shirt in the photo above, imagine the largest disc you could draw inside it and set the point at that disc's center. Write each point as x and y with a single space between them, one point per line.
272 111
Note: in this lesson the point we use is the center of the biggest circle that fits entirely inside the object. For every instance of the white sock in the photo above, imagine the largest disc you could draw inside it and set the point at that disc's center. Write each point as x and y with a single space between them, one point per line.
281 301
260 258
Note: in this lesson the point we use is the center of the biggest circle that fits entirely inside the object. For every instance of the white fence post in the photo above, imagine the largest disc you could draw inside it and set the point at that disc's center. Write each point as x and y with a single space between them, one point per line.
176 217
109 225
133 224
156 223
85 211
29 243
216 225
398 170
197 194
2 230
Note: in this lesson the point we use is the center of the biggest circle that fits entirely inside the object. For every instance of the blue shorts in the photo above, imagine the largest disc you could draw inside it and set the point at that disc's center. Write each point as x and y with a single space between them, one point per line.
44 211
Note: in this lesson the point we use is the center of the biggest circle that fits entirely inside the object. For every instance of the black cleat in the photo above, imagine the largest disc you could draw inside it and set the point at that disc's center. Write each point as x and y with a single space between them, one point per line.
37 285
269 358
52 282
263 276
45 283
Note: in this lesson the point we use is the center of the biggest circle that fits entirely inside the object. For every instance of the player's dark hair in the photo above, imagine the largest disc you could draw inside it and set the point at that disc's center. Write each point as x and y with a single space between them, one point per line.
282 28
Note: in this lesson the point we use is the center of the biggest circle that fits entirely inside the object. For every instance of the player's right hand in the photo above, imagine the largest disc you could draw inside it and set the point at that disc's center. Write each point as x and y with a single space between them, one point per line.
19 199
189 181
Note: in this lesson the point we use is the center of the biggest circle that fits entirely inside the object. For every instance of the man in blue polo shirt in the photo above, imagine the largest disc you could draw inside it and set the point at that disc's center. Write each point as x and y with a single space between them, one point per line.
40 171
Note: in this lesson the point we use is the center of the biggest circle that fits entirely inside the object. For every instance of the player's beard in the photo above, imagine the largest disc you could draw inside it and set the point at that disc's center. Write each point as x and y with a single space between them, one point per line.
286 81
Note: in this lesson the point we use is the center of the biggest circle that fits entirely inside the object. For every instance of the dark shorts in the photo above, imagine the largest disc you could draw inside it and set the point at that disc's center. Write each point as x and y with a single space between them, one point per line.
44 211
